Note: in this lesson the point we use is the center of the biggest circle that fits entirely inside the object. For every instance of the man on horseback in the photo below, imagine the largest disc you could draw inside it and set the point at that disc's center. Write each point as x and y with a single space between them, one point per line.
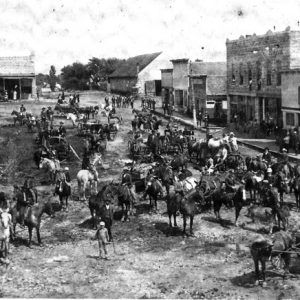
92 168
22 110
222 155
23 204
62 130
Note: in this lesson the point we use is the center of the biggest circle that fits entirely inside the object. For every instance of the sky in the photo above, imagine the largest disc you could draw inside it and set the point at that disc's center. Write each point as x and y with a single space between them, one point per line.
60 32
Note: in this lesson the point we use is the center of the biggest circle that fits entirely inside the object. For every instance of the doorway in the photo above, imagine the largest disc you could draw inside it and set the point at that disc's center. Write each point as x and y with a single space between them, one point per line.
10 86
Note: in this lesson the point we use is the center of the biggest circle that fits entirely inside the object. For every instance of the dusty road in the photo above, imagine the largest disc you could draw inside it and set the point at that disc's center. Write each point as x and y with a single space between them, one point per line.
150 260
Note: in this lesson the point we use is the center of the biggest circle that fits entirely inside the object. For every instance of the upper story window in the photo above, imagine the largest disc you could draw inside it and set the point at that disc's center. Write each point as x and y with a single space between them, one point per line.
258 74
232 74
269 74
241 74
249 76
278 73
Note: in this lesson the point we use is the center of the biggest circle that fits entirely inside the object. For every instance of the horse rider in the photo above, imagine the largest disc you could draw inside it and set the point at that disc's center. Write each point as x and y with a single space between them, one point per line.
127 180
85 160
92 168
22 204
22 110
43 116
67 176
267 156
230 182
222 155
49 114
62 130
285 157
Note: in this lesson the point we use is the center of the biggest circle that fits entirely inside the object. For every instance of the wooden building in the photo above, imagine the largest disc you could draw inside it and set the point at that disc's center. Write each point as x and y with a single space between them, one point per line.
17 77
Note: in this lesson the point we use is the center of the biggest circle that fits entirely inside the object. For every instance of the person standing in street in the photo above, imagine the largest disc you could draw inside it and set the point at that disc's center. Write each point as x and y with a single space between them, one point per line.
199 120
102 237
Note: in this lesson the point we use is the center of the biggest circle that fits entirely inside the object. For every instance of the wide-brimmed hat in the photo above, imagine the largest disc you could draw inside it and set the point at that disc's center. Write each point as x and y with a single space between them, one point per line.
284 150
102 223
231 133
61 122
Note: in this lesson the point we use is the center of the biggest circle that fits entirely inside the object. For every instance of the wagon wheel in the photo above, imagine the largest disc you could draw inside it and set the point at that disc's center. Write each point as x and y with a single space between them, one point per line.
277 262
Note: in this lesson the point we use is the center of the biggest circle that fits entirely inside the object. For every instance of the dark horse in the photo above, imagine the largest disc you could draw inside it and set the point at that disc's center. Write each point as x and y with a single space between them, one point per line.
186 205
97 201
165 174
262 249
32 216
237 199
153 189
125 199
63 190
281 183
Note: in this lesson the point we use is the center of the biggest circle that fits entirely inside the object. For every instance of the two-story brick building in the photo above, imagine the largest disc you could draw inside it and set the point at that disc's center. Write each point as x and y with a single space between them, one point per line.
254 68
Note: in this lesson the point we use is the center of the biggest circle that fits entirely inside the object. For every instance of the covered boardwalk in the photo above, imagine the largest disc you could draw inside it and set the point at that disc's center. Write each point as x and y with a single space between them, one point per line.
17 77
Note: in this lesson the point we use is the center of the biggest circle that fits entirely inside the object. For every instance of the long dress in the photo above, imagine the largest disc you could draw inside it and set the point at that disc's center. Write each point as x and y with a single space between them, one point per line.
15 95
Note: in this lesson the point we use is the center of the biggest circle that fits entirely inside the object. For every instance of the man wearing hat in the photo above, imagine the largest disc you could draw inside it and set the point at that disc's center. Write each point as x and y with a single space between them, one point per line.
62 130
43 116
22 110
102 237
267 155
107 215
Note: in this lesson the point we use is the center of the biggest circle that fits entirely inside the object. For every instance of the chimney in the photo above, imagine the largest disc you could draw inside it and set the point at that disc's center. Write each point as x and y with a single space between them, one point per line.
137 68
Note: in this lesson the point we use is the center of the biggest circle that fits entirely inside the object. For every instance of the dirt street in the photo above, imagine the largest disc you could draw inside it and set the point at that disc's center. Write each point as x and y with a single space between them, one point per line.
149 261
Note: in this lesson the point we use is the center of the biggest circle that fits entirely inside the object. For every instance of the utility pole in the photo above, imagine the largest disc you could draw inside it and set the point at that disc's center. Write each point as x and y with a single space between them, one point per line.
193 95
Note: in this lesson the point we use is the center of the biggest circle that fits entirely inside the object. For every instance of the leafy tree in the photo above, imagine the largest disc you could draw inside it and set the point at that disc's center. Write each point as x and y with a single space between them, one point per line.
42 79
75 76
52 78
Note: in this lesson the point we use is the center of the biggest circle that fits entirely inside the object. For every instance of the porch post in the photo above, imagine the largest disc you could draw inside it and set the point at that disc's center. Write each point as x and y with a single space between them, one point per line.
20 88
3 83
263 109
256 109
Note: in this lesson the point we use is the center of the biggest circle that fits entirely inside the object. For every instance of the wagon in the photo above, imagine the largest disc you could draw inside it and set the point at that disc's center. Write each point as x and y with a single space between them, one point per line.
64 109
85 129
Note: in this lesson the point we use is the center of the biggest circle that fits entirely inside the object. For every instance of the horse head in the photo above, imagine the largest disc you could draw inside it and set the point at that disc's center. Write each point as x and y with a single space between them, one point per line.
48 209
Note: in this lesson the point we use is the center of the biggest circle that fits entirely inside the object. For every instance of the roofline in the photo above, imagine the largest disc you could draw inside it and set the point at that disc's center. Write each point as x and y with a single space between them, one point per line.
123 76
268 33
179 60
166 70
18 75
296 70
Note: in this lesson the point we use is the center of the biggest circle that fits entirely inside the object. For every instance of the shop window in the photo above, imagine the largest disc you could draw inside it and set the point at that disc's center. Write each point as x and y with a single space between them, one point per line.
258 75
241 74
249 76
232 74
278 73
290 119
269 75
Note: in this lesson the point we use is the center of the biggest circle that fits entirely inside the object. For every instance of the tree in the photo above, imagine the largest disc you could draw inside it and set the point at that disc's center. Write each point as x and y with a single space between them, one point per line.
75 77
52 78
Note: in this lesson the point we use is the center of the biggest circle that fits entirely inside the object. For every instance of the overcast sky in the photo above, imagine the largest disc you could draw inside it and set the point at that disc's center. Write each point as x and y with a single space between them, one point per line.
61 32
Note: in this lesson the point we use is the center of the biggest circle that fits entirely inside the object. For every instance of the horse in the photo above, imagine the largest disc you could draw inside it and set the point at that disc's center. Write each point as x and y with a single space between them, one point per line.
165 174
253 183
186 205
18 117
179 161
73 118
85 177
51 166
5 222
214 143
97 201
63 190
237 199
115 116
153 189
32 218
262 250
125 198
282 184
200 148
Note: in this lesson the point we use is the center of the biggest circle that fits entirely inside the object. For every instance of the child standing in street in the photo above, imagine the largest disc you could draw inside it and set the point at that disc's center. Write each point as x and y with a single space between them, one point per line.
103 238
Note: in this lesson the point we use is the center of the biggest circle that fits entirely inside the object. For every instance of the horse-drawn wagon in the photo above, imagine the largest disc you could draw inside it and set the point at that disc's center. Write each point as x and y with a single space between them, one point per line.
61 146
140 151
64 109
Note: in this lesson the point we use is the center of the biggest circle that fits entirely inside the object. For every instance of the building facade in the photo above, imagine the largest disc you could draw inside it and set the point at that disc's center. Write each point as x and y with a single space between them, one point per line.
139 73
167 86
17 77
254 68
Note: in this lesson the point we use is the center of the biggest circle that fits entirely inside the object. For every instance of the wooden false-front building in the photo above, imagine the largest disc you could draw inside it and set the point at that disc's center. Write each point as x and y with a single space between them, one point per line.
17 77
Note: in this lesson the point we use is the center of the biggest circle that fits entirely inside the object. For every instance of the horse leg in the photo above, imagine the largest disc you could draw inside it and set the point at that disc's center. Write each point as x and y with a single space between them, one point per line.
237 213
38 235
174 216
170 221
123 213
191 224
184 224
67 203
61 201
30 236
256 266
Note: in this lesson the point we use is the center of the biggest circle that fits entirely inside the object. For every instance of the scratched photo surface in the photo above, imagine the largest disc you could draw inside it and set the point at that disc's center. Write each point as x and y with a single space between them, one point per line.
150 149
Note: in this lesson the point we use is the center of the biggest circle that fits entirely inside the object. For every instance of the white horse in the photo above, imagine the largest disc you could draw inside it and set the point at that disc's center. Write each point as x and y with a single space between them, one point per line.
214 143
5 223
87 178
74 118
51 166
